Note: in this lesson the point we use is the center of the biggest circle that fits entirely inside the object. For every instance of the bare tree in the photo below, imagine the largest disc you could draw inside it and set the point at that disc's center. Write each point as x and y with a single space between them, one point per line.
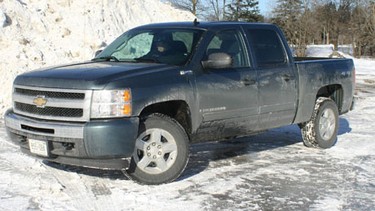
288 15
363 24
189 5
304 21
215 10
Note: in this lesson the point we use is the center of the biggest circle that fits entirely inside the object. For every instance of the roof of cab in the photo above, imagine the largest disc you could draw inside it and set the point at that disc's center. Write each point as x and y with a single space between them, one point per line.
201 25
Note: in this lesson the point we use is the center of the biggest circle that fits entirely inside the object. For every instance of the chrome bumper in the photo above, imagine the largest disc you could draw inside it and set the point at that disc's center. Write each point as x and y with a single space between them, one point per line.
98 143
50 128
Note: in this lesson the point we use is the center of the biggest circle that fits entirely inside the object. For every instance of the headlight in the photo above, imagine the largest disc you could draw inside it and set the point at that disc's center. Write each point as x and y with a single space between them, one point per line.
111 103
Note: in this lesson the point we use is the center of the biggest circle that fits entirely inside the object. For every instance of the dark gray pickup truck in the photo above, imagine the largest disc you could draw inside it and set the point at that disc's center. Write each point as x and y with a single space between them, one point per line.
157 88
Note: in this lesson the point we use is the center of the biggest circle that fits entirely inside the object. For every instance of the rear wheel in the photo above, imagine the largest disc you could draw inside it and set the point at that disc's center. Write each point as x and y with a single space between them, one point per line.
321 130
161 151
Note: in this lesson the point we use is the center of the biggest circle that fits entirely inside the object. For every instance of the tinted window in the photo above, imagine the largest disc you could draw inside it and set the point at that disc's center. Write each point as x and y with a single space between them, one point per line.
167 46
229 42
267 47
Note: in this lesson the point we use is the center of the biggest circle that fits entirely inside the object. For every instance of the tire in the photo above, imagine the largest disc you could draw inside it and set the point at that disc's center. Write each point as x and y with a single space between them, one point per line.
161 151
321 130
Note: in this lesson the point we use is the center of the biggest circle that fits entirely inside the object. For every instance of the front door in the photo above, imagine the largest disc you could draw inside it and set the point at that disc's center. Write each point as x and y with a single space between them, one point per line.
228 96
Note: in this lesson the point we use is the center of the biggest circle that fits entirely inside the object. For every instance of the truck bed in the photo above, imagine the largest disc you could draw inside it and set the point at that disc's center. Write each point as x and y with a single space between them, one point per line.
319 73
301 59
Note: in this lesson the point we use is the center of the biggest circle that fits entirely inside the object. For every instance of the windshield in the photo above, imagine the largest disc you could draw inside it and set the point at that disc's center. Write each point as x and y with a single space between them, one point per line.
167 46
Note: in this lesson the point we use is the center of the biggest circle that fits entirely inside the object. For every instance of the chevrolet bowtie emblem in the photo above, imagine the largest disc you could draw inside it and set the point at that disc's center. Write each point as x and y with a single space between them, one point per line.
40 101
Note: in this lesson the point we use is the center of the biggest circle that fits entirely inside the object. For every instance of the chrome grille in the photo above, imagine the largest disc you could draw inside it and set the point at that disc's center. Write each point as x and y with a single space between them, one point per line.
49 111
49 94
57 104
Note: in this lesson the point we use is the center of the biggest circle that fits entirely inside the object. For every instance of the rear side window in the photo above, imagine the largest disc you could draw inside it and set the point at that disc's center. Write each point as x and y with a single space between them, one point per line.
268 48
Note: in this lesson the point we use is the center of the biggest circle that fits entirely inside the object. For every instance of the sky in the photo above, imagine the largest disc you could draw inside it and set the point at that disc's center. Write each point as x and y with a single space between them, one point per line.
266 6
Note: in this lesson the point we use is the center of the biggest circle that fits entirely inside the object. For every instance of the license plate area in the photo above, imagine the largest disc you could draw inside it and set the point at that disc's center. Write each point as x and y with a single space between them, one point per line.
38 147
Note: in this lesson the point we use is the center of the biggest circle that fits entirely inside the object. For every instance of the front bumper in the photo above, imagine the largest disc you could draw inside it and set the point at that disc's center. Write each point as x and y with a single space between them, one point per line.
106 144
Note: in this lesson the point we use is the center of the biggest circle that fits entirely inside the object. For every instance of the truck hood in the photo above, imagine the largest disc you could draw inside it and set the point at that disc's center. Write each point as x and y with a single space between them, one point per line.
87 75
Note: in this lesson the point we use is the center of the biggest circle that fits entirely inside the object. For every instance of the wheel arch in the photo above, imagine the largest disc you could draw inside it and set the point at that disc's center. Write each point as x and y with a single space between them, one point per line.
176 109
334 92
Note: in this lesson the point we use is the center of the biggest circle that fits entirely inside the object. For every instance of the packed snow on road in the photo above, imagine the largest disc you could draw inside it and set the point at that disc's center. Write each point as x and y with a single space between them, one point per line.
268 171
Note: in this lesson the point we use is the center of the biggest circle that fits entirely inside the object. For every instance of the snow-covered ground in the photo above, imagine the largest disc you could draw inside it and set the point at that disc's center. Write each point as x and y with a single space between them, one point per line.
269 171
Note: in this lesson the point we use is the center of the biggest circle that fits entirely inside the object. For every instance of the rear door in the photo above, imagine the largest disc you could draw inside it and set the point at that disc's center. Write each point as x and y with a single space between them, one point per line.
277 91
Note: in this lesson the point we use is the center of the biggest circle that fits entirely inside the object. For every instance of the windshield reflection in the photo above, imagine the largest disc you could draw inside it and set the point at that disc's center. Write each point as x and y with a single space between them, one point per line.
166 46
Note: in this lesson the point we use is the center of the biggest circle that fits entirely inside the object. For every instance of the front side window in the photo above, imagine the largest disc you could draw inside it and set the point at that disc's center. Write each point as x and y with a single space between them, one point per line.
229 42
268 48
167 46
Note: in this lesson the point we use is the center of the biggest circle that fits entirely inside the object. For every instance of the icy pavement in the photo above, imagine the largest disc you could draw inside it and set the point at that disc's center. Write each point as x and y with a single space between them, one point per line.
269 171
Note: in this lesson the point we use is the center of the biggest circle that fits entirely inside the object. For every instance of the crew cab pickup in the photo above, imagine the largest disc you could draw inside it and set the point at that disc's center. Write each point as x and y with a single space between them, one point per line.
160 87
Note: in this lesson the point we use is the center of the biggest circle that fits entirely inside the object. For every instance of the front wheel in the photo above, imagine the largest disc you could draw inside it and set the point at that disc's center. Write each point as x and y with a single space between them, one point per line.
161 151
321 130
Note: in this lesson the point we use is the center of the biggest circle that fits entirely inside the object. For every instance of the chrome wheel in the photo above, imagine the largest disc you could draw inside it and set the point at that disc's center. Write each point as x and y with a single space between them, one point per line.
327 124
321 130
161 150
155 151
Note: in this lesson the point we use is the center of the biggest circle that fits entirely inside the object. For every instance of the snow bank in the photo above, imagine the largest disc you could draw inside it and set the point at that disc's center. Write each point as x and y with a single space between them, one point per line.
3 19
42 33
346 49
319 50
364 66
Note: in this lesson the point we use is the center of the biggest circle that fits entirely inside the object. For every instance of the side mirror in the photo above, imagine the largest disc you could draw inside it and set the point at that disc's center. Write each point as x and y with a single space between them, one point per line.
217 61
97 52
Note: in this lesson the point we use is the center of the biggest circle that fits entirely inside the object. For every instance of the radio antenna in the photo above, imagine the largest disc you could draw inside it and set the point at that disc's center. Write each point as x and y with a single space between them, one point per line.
196 22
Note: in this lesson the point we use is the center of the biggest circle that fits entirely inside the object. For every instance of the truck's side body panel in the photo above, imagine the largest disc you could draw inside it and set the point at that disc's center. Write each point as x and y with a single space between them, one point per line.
316 74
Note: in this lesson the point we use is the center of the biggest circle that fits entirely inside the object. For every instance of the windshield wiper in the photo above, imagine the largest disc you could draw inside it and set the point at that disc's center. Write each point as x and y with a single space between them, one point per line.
106 58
